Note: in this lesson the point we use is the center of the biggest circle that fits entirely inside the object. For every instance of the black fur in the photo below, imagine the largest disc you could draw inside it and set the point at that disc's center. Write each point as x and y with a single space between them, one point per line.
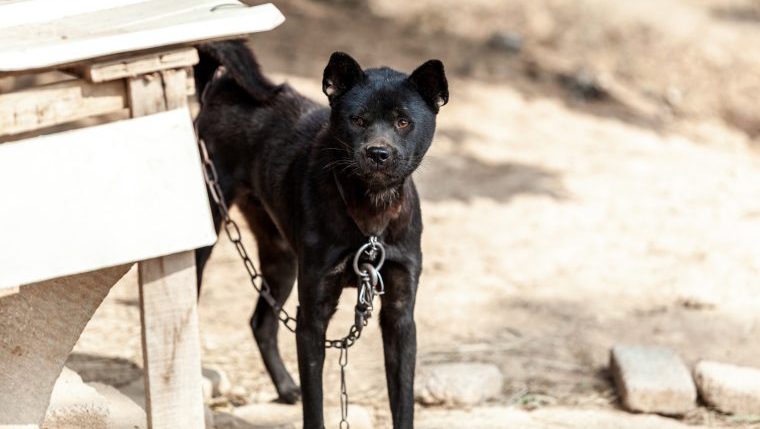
280 157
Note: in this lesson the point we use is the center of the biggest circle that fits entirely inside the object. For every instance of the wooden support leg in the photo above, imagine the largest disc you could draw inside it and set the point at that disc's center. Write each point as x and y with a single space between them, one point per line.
168 295
171 344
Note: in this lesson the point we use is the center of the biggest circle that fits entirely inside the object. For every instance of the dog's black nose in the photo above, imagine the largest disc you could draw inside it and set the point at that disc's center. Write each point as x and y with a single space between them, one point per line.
379 154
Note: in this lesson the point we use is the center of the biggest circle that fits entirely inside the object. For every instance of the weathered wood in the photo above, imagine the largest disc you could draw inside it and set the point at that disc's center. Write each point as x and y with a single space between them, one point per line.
146 94
39 34
171 344
39 327
58 103
168 296
175 88
133 66
101 196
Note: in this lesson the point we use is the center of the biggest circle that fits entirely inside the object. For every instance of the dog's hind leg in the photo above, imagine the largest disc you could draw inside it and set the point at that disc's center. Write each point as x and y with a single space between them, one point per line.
279 267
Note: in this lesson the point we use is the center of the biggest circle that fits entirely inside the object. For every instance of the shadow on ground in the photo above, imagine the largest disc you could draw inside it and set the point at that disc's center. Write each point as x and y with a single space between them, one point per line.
738 13
113 371
457 175
375 41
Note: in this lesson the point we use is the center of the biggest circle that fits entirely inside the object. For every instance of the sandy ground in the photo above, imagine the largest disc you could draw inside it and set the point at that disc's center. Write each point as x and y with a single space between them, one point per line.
554 229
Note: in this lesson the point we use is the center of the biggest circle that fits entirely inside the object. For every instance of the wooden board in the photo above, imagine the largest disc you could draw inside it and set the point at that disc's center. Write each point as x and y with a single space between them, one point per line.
171 342
57 103
101 196
132 66
38 34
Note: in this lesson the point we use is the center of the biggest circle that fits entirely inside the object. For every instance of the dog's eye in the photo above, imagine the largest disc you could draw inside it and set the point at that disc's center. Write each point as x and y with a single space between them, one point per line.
359 121
402 123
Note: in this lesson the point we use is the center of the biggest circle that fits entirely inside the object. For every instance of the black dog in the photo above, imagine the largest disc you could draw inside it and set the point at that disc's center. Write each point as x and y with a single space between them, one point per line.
313 184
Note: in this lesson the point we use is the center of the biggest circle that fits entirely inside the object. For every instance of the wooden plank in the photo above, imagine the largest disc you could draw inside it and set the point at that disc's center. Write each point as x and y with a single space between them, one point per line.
58 103
171 343
168 297
146 94
101 196
38 328
132 66
175 88
143 25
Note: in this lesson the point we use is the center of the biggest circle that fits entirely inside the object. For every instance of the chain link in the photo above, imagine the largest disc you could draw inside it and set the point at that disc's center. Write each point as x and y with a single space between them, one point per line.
366 263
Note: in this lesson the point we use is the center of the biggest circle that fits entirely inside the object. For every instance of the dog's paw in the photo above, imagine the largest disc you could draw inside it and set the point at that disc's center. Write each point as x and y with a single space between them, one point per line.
289 396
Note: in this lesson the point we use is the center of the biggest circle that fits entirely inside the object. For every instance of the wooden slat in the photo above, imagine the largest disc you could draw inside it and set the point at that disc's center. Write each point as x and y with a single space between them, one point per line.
132 66
175 88
58 103
146 94
143 25
101 196
171 344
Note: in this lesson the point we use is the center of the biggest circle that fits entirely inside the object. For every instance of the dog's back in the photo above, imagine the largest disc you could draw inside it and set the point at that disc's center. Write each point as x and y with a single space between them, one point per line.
246 120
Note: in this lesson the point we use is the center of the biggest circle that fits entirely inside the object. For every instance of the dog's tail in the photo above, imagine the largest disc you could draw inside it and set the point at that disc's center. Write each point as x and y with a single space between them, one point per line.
240 64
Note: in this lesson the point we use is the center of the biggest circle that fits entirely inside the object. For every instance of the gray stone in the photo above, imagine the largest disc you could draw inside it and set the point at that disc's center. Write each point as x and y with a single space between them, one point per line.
729 388
208 416
507 41
74 404
280 416
220 383
207 386
123 413
652 380
457 384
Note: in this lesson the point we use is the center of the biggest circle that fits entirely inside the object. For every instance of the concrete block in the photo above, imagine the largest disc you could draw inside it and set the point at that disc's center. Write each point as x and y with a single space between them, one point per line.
729 388
458 384
220 383
652 380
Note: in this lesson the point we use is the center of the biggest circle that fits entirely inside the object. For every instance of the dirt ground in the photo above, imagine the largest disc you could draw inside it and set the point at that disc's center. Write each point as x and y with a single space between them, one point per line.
598 187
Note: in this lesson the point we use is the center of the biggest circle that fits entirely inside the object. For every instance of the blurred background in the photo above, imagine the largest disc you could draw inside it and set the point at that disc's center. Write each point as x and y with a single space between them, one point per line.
594 181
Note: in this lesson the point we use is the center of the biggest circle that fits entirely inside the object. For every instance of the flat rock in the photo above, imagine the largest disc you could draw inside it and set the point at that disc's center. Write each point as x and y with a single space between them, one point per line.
729 388
457 384
280 416
74 404
544 418
652 380
123 413
220 383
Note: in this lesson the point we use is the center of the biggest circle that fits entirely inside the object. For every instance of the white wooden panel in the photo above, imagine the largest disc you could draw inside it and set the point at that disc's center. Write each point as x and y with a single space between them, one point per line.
98 30
101 196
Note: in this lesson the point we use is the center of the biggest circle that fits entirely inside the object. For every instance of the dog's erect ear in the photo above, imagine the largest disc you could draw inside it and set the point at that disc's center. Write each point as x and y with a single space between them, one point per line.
341 74
430 81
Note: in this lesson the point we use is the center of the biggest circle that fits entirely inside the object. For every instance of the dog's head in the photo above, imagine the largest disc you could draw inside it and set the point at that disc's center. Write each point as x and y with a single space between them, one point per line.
383 119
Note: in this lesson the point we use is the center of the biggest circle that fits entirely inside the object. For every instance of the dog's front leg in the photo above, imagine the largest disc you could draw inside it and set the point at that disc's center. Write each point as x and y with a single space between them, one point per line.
318 299
400 341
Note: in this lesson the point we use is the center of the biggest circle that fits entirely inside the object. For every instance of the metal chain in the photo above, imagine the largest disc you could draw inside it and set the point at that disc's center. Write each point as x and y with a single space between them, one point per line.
366 263
232 230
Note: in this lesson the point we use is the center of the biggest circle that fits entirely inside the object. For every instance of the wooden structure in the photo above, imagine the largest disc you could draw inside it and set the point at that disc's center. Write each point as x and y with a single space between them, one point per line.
81 204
